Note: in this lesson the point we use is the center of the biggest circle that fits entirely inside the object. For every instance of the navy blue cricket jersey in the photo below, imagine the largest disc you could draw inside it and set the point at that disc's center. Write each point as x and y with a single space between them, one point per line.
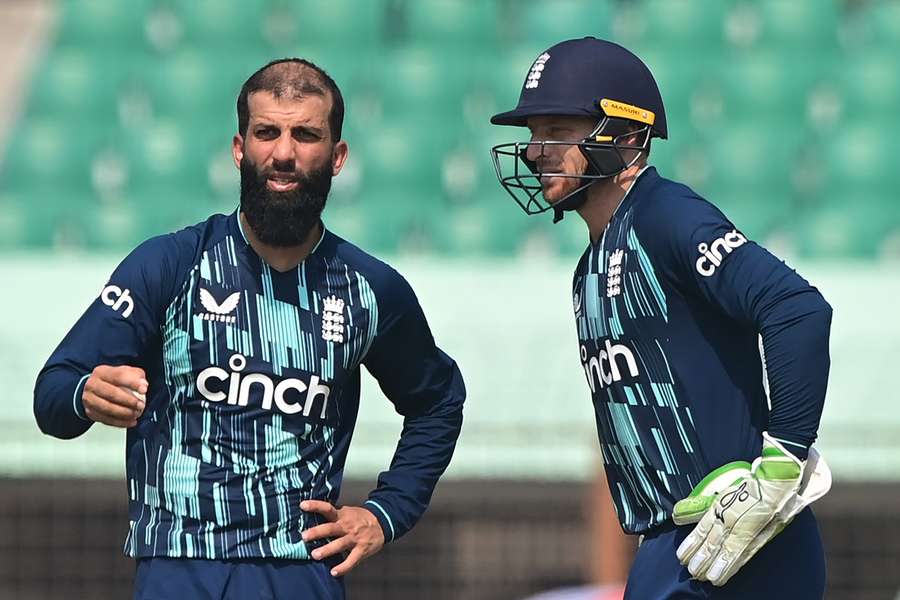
254 389
670 305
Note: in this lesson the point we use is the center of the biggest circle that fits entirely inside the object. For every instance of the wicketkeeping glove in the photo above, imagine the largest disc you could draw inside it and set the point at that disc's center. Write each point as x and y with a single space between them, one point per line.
740 507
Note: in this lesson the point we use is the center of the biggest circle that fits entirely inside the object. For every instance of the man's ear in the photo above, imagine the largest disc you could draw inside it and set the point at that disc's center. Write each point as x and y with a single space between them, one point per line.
339 156
237 149
641 135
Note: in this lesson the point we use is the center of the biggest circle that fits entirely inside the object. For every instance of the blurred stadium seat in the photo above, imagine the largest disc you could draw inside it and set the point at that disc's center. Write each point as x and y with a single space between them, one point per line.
543 24
127 98
448 23
221 24
342 25
863 154
53 152
78 81
870 83
806 26
101 23
670 24
770 86
190 83
853 225
870 25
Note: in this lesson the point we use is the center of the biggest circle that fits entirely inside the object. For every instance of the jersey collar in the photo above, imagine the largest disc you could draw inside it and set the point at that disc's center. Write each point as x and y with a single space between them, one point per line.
238 227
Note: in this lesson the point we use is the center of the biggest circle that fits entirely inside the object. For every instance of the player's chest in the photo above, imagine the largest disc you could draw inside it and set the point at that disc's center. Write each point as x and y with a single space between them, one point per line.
616 293
298 322
278 342
601 294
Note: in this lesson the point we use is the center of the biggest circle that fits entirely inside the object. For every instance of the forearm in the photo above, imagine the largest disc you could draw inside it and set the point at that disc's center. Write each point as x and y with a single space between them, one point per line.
425 448
58 407
795 340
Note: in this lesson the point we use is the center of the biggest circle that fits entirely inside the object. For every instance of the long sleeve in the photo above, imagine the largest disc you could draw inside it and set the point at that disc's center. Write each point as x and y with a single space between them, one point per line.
714 263
426 387
120 327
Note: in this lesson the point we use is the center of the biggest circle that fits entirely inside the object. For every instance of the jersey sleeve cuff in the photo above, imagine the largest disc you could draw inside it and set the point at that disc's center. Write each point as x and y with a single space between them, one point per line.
798 449
77 400
384 519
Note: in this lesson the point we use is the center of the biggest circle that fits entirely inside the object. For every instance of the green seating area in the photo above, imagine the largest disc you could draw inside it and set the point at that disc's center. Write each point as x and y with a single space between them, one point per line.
783 113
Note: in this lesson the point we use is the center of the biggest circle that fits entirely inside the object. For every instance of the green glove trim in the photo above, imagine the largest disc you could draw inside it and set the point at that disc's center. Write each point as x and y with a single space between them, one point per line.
771 451
690 510
777 471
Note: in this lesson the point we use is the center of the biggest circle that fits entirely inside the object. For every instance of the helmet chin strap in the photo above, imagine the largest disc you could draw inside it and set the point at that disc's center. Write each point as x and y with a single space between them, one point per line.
573 201
577 198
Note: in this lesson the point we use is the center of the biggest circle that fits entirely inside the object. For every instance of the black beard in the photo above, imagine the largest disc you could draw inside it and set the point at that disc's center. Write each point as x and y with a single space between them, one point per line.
283 219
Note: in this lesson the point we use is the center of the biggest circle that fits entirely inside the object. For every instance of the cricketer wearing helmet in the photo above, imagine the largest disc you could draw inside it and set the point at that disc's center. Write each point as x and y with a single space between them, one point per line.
706 442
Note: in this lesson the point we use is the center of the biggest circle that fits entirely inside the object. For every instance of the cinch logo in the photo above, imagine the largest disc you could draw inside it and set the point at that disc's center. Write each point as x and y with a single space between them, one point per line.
534 76
239 389
117 298
713 254
603 370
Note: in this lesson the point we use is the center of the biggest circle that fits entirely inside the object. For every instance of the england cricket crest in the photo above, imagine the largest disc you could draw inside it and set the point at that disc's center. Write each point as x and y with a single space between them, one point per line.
333 319
614 273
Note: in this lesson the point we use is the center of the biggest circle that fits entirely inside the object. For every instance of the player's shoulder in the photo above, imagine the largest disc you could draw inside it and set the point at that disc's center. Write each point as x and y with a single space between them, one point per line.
189 239
174 252
665 207
384 279
201 236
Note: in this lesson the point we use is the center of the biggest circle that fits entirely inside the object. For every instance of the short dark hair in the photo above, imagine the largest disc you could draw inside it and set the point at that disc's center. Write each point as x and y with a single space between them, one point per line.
292 77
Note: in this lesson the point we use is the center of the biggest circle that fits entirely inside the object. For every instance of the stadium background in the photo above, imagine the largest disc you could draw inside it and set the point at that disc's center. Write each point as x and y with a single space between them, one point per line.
115 125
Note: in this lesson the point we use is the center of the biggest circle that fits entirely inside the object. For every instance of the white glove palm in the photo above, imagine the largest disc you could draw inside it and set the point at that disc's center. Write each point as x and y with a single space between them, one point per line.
739 510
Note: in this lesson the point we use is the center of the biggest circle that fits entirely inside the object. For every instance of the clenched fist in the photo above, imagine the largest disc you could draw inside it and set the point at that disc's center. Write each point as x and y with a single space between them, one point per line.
115 395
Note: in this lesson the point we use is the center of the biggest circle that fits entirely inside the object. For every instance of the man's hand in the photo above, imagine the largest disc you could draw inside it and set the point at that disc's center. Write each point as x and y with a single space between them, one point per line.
354 529
738 520
115 395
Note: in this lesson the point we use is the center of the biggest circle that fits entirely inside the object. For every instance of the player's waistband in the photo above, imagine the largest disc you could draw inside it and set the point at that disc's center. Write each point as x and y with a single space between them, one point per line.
657 530
161 577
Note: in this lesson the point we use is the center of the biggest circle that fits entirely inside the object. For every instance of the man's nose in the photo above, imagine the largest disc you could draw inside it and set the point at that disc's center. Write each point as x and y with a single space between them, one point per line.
534 150
284 150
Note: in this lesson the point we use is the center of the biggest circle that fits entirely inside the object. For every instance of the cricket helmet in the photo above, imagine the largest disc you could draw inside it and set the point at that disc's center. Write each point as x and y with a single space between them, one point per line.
585 77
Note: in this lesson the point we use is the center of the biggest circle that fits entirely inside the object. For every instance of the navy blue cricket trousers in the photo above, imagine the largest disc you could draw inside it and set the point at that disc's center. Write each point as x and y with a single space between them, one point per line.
790 566
254 579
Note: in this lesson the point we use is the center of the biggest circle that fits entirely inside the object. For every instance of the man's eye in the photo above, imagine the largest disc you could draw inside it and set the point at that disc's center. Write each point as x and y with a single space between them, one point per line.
305 135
